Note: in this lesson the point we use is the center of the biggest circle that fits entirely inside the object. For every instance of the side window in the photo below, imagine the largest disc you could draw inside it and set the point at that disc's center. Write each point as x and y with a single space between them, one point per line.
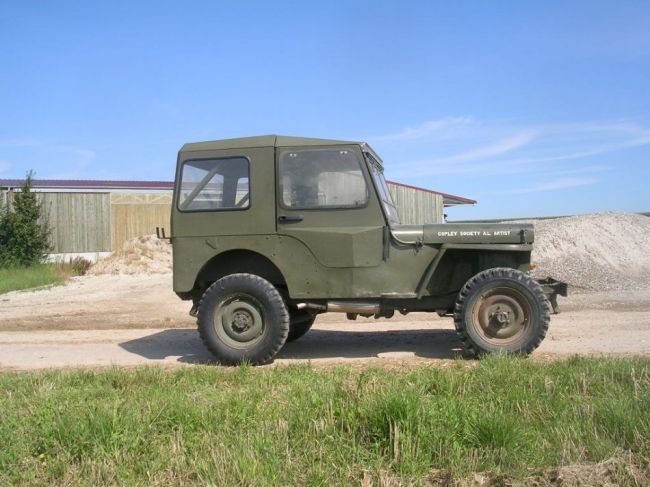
321 178
214 184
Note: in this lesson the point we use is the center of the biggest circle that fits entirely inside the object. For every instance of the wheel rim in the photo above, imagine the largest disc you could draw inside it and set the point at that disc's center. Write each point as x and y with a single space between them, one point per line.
501 315
239 321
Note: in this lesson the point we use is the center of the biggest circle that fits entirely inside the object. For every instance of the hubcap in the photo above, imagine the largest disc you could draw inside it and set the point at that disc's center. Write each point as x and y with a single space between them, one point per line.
502 315
242 321
238 321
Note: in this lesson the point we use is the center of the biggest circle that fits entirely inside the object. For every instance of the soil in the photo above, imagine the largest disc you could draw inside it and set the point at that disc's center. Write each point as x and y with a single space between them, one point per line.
620 469
140 255
137 319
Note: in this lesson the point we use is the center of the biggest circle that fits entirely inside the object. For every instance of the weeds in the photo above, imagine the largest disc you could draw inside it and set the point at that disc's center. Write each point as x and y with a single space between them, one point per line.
79 266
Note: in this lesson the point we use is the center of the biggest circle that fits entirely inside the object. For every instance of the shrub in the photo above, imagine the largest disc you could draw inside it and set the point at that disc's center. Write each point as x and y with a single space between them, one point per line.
80 266
24 236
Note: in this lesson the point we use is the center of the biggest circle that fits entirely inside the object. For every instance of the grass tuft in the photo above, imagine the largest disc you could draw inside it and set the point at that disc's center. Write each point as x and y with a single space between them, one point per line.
37 275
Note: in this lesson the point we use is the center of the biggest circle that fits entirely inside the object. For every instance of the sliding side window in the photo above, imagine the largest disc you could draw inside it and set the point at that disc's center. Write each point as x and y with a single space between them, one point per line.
215 184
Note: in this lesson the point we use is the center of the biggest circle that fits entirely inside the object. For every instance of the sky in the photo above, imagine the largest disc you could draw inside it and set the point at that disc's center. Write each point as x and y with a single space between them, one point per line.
531 108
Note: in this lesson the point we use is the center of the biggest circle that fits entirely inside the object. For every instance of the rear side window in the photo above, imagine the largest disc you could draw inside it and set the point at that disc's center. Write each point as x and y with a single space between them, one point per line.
321 179
214 184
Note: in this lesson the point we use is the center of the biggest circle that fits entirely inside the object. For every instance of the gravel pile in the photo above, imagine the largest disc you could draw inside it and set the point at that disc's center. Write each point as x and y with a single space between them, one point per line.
603 251
141 255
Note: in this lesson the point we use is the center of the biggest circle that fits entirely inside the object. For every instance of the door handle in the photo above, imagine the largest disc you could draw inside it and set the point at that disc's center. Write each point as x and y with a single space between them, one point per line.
289 218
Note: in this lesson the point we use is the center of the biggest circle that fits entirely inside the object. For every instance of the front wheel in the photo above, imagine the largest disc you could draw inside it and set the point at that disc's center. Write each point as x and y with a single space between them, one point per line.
243 318
501 310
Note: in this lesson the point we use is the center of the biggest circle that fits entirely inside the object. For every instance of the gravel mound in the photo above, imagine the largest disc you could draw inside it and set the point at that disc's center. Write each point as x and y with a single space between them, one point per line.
141 255
602 251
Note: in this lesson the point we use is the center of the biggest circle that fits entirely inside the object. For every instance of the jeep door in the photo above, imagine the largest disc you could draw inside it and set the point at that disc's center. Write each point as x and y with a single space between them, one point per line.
326 201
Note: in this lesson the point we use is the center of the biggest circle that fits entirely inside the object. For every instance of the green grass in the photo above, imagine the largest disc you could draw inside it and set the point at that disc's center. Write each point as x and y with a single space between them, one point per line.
302 426
37 275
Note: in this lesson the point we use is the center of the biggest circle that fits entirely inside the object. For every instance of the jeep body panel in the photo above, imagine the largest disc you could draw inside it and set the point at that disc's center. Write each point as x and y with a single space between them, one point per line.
337 237
466 233
304 275
331 253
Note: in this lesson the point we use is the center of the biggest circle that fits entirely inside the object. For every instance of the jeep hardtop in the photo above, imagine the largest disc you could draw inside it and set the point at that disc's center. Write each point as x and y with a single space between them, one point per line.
270 231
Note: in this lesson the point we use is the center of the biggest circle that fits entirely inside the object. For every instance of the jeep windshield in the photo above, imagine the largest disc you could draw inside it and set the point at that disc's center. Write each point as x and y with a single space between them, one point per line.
377 172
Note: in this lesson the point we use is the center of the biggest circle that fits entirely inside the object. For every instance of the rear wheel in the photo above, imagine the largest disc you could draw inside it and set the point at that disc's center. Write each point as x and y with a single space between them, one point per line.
300 323
501 310
243 318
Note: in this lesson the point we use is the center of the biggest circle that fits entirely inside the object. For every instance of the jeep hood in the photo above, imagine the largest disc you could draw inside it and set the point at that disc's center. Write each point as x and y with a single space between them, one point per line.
482 233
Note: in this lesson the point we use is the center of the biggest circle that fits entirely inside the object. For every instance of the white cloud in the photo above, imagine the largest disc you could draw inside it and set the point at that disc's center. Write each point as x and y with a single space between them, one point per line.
426 129
579 170
4 166
503 146
555 185
478 160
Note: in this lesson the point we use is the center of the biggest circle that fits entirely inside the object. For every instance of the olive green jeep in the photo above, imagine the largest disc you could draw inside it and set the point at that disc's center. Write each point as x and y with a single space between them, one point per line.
270 231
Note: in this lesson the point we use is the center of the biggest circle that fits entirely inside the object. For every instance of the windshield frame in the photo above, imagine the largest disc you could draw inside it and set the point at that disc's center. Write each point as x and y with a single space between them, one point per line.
376 169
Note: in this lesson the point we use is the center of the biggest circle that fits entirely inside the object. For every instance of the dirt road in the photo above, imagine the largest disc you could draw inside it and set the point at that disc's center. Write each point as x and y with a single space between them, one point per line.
132 320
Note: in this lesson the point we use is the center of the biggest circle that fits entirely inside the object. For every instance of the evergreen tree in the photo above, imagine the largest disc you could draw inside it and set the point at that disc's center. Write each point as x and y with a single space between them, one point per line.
24 235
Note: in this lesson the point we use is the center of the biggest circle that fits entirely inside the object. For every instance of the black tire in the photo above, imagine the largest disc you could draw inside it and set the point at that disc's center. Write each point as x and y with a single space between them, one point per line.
501 310
243 318
299 324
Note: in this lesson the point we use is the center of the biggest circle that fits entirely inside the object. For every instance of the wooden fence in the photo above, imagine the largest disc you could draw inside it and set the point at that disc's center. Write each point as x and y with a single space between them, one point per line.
79 222
416 206
133 215
102 222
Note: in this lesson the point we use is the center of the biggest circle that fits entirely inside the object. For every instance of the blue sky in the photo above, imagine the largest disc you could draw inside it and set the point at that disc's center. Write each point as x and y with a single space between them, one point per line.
532 108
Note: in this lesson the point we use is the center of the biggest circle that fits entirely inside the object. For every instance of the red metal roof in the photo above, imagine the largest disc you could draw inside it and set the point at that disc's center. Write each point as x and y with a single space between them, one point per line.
449 199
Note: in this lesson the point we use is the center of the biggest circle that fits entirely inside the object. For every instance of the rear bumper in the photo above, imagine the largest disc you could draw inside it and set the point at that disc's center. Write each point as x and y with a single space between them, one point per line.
554 288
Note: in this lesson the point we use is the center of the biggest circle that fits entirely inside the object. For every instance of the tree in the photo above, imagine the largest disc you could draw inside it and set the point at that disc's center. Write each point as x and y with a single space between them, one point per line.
24 235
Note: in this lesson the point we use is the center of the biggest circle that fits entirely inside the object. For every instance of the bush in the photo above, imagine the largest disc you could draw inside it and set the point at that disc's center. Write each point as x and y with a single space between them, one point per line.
24 236
80 266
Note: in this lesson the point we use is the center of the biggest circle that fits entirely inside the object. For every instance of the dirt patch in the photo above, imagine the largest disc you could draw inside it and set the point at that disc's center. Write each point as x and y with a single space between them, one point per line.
620 469
135 293
97 303
125 320
141 255
603 251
